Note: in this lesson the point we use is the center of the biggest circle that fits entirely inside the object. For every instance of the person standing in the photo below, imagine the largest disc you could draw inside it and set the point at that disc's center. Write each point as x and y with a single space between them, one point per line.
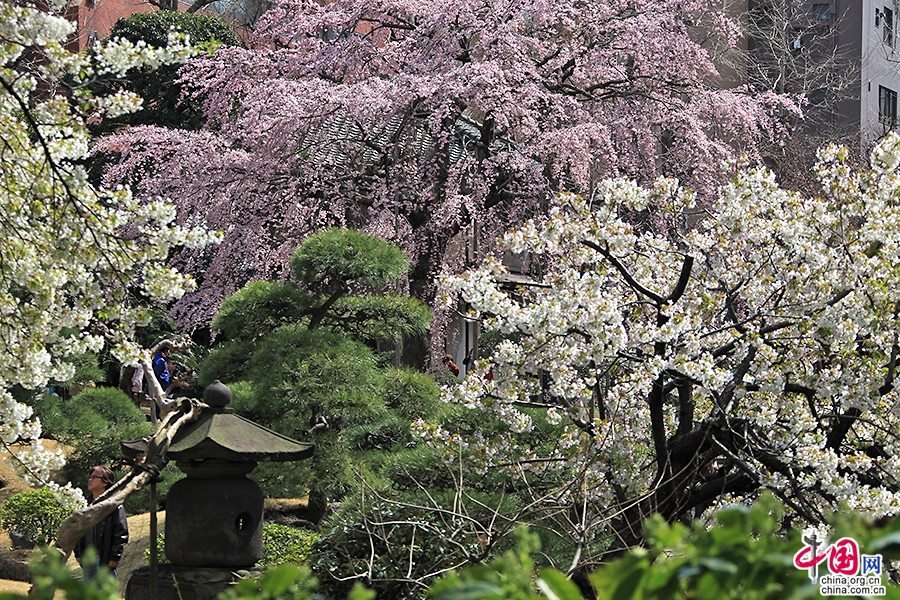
161 364
131 381
161 368
109 536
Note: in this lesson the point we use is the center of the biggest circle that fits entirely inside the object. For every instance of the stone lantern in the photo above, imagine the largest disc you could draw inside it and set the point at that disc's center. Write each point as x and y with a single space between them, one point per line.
214 516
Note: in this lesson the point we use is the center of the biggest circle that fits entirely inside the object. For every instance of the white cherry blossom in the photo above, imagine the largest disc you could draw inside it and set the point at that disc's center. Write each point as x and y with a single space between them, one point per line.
72 255
758 349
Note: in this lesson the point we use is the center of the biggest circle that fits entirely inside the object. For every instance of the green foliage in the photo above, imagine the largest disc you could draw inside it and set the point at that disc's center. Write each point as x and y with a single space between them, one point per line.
92 424
105 405
300 357
343 256
288 582
259 308
87 370
305 378
227 362
244 401
162 96
281 544
160 549
413 467
154 27
410 393
383 318
35 514
50 575
744 556
328 264
508 577
396 547
315 373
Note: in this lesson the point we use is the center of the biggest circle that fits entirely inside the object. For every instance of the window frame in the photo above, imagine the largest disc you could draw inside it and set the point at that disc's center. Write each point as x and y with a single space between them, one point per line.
887 106
818 9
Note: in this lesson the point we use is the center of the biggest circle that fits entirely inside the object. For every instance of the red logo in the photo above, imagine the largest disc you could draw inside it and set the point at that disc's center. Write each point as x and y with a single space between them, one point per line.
842 556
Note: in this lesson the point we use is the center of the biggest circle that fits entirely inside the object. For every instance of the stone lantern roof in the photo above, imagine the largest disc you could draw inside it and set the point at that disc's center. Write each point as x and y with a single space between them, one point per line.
214 516
220 435
226 436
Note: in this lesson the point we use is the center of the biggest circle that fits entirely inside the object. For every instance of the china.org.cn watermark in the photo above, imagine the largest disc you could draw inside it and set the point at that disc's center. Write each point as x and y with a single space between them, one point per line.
849 572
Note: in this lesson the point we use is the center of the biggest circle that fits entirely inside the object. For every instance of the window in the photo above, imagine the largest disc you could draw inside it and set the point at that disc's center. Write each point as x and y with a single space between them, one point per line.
817 96
888 32
821 12
887 106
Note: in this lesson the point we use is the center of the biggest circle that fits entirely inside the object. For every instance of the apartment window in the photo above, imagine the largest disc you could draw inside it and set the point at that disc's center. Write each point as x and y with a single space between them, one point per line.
888 32
821 12
817 96
887 106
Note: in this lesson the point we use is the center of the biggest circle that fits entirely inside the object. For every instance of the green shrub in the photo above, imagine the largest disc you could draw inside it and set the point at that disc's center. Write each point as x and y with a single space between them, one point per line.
394 544
162 95
48 408
281 545
97 420
410 469
289 582
87 371
259 308
53 579
35 515
745 554
153 28
92 424
411 393
339 255
510 576
227 362
286 545
303 378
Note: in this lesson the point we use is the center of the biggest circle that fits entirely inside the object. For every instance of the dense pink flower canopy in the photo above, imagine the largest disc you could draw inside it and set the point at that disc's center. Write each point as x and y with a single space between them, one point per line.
419 120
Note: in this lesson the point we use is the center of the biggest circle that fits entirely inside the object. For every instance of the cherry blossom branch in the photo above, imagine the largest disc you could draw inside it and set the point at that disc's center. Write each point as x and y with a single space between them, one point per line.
146 468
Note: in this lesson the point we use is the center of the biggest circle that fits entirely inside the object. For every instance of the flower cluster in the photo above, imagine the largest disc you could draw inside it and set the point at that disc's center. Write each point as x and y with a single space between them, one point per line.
72 255
464 113
759 349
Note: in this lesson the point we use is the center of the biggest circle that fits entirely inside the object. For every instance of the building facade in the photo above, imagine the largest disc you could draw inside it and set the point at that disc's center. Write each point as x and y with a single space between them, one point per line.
94 18
877 24
842 55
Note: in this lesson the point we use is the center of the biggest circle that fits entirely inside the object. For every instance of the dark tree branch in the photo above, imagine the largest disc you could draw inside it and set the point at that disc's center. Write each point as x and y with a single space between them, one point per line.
685 406
656 298
145 470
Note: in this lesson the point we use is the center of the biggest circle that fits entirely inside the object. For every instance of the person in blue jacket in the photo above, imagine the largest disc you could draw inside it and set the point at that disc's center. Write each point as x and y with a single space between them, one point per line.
161 369
163 375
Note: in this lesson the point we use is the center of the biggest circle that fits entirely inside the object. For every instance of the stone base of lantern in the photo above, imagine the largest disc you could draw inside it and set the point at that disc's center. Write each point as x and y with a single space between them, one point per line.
184 583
